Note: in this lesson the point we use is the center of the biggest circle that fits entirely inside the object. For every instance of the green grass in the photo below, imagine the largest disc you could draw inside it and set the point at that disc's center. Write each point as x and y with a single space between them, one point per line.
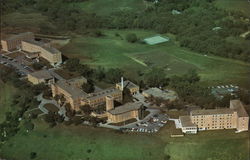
209 145
97 6
111 51
73 143
6 96
234 5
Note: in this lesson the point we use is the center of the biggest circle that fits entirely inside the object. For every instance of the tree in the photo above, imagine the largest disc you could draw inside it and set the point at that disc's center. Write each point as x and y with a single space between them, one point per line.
99 73
167 157
192 76
77 120
50 118
156 78
114 75
131 37
33 155
247 36
142 85
72 64
58 118
88 87
28 125
86 109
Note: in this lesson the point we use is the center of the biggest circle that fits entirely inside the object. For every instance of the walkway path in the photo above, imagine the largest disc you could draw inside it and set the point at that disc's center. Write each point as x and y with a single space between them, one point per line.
62 110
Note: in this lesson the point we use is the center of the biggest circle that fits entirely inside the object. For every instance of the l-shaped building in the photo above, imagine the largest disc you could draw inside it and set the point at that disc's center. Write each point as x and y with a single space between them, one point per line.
26 41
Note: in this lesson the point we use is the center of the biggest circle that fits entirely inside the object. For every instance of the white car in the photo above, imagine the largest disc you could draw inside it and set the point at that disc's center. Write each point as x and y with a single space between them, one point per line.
164 122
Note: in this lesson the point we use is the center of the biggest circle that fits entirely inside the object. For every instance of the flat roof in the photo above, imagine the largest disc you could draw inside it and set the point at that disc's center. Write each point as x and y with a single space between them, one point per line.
18 35
156 40
156 92
71 89
186 121
212 111
42 74
128 84
77 79
126 108
102 93
239 107
44 46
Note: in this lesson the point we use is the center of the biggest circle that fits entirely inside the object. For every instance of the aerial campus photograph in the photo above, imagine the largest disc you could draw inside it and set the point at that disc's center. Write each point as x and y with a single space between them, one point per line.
125 80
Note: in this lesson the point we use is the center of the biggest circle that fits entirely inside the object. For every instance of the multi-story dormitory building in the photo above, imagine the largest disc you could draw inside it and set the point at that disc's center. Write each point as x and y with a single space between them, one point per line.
14 42
234 117
26 42
44 50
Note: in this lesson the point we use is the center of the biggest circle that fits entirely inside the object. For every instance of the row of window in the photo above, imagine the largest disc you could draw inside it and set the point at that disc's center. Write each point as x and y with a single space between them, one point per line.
216 115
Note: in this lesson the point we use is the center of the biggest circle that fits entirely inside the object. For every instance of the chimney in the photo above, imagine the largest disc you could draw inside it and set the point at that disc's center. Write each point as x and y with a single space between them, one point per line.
109 103
122 83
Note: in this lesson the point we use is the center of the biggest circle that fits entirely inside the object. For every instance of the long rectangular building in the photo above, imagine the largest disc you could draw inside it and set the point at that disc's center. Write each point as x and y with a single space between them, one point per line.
234 117
44 50
99 98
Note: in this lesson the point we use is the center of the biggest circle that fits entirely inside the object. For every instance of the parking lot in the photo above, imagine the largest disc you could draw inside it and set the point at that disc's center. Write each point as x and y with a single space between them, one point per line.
150 125
17 63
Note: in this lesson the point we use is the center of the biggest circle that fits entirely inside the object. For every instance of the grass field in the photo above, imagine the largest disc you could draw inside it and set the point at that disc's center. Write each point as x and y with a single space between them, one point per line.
82 143
234 5
209 145
6 95
112 51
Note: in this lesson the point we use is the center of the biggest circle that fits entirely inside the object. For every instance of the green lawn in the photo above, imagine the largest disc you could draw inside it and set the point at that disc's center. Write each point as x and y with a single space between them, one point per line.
112 51
73 143
6 95
234 5
97 6
82 143
207 145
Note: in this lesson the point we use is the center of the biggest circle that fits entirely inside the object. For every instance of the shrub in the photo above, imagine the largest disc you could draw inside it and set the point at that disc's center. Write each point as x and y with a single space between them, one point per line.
132 38
33 155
